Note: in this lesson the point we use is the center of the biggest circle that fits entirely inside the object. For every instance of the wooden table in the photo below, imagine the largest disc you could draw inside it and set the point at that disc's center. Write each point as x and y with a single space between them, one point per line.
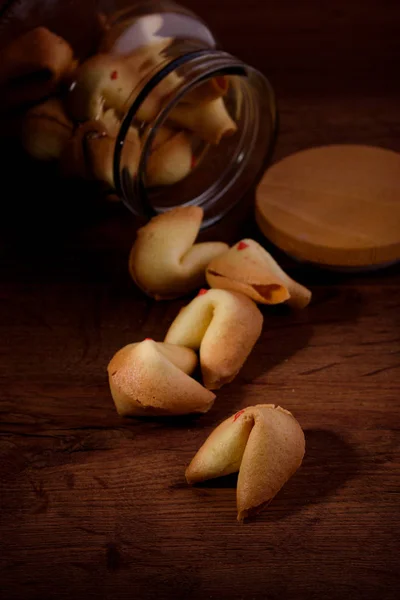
95 506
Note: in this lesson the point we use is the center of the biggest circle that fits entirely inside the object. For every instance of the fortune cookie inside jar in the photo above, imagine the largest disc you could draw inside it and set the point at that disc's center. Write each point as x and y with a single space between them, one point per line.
211 89
170 161
152 71
32 67
46 129
210 121
100 83
106 81
90 153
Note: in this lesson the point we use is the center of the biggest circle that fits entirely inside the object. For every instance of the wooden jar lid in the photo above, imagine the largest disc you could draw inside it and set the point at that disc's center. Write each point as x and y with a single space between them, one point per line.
337 206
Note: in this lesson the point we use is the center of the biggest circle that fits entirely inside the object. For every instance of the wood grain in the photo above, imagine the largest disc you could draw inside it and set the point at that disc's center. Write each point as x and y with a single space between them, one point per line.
336 205
95 506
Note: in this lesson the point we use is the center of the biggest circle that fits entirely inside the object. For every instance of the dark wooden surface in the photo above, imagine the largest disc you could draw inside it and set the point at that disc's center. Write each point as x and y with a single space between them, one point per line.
95 506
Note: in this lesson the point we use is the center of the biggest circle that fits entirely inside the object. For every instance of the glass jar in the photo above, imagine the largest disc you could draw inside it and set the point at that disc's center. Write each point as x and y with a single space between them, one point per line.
216 113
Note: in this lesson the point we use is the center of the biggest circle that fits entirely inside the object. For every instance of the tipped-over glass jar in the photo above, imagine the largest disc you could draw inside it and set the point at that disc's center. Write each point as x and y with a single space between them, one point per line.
168 117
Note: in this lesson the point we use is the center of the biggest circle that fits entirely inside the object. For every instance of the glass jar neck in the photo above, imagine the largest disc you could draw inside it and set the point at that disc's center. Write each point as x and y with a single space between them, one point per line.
230 169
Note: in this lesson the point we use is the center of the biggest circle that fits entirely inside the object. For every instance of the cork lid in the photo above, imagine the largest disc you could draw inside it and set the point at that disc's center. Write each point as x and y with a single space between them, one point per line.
337 206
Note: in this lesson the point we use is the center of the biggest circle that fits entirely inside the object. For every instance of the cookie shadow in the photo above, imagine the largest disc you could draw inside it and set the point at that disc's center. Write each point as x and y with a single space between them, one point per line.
329 463
284 333
227 482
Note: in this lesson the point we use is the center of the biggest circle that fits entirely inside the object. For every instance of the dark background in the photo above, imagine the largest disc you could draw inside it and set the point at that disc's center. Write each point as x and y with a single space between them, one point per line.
96 506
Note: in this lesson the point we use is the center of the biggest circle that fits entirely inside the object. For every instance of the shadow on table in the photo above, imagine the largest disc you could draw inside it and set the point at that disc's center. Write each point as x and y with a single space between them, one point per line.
274 346
329 463
285 333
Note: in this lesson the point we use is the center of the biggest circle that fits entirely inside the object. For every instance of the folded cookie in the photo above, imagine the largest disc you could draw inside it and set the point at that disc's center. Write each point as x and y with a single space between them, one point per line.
164 260
32 67
46 129
224 326
112 122
89 154
170 161
210 121
162 135
209 90
264 443
107 81
248 268
100 83
150 378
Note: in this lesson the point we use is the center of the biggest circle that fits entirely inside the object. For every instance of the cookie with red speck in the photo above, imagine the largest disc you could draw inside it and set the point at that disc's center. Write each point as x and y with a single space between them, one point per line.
223 326
264 443
248 268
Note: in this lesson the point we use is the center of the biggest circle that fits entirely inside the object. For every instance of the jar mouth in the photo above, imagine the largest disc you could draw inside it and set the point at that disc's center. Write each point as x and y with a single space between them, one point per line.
227 170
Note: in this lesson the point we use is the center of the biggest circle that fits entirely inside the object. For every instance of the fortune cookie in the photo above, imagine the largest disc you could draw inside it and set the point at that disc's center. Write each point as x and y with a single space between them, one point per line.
264 443
248 268
150 378
46 130
224 326
164 260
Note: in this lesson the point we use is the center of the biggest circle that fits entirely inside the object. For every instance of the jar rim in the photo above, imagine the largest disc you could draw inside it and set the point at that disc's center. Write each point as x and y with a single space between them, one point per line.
217 63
